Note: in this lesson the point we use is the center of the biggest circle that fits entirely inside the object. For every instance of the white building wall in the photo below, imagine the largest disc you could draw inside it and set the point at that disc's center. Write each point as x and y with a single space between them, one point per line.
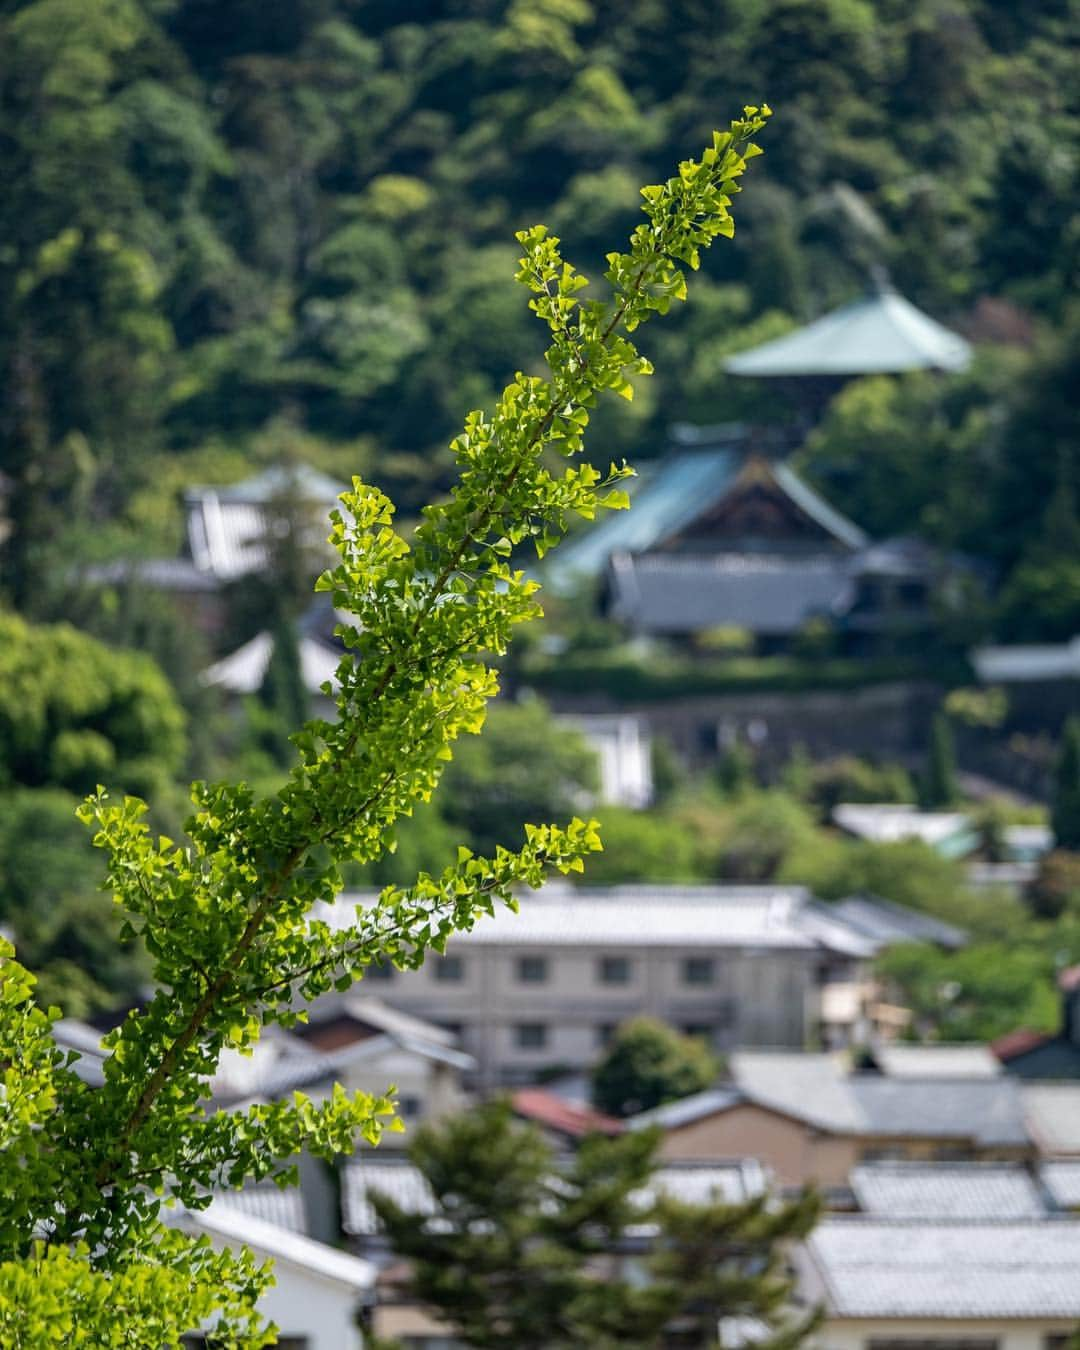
303 1304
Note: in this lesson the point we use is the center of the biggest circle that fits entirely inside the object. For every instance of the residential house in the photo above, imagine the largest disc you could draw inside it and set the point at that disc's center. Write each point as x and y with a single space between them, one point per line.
809 1118
950 833
319 1296
547 987
890 1283
1045 1055
366 1045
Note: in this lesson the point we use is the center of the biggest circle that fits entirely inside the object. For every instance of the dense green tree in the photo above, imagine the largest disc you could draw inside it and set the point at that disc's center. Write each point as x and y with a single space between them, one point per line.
527 768
75 713
1065 806
283 692
526 1250
226 918
937 783
649 1063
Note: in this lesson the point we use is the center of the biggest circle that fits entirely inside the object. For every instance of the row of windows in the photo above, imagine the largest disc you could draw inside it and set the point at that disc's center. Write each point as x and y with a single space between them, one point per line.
611 970
536 1035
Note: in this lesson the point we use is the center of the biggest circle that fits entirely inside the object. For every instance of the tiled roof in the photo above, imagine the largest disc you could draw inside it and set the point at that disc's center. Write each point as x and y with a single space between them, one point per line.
882 333
818 1090
698 1106
639 916
231 1226
763 593
976 1190
570 1118
397 1179
871 1268
1053 1116
667 498
271 1204
1062 1182
697 1183
883 922
937 1061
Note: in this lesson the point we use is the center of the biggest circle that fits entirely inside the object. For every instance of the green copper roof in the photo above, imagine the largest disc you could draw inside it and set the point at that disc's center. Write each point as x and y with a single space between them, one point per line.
665 501
881 334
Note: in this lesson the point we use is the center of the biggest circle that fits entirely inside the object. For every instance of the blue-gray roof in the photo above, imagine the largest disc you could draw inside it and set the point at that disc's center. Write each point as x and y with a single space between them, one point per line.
884 922
663 501
874 1268
952 1190
881 333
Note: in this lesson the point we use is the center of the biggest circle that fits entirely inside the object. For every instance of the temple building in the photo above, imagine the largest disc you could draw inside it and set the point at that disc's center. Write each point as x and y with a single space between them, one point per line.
724 534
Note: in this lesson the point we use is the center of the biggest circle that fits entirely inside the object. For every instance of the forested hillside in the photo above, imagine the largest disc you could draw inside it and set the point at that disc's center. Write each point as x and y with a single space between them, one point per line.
232 232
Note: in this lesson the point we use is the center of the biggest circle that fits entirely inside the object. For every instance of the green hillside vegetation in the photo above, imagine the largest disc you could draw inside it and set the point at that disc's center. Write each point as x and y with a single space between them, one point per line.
224 242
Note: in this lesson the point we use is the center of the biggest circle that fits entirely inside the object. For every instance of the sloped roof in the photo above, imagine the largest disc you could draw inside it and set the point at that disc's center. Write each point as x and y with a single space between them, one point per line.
817 1089
764 593
890 822
231 1226
1053 1116
643 915
698 1106
881 333
962 1190
1062 1182
665 499
297 480
874 1268
271 1204
883 922
398 1179
244 670
575 1119
937 1061
702 1183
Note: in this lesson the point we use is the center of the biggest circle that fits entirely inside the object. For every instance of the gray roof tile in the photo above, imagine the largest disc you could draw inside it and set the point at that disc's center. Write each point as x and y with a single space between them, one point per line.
975 1190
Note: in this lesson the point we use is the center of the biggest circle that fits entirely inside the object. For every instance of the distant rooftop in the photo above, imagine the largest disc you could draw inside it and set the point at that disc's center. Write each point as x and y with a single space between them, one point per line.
884 922
648 916
881 333
1021 664
244 670
937 1061
955 1190
948 832
875 1268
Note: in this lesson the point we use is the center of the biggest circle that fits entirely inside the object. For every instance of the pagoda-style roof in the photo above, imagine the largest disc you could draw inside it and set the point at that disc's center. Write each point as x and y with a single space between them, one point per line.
709 501
880 334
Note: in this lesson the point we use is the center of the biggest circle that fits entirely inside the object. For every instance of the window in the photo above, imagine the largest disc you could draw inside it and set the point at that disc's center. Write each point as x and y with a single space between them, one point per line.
380 970
530 1036
532 969
698 1029
697 970
605 1034
614 970
409 1106
450 970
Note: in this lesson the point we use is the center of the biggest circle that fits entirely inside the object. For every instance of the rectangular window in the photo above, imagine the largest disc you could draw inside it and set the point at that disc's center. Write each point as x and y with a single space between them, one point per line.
697 970
605 1034
532 969
530 1036
614 970
450 970
699 1030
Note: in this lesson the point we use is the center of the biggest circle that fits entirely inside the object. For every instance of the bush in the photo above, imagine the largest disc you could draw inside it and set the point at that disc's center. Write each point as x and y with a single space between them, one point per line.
650 1063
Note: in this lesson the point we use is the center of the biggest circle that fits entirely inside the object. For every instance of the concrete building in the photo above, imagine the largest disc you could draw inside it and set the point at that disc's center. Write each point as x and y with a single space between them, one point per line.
547 987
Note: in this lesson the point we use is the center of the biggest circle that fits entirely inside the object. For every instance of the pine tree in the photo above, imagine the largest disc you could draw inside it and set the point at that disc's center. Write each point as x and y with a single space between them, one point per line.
283 692
523 1250
937 787
1065 807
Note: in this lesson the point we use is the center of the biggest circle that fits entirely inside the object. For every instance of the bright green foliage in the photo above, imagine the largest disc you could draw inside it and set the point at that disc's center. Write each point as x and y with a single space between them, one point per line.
1065 808
524 768
226 915
937 785
65 929
649 1063
525 1253
74 713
